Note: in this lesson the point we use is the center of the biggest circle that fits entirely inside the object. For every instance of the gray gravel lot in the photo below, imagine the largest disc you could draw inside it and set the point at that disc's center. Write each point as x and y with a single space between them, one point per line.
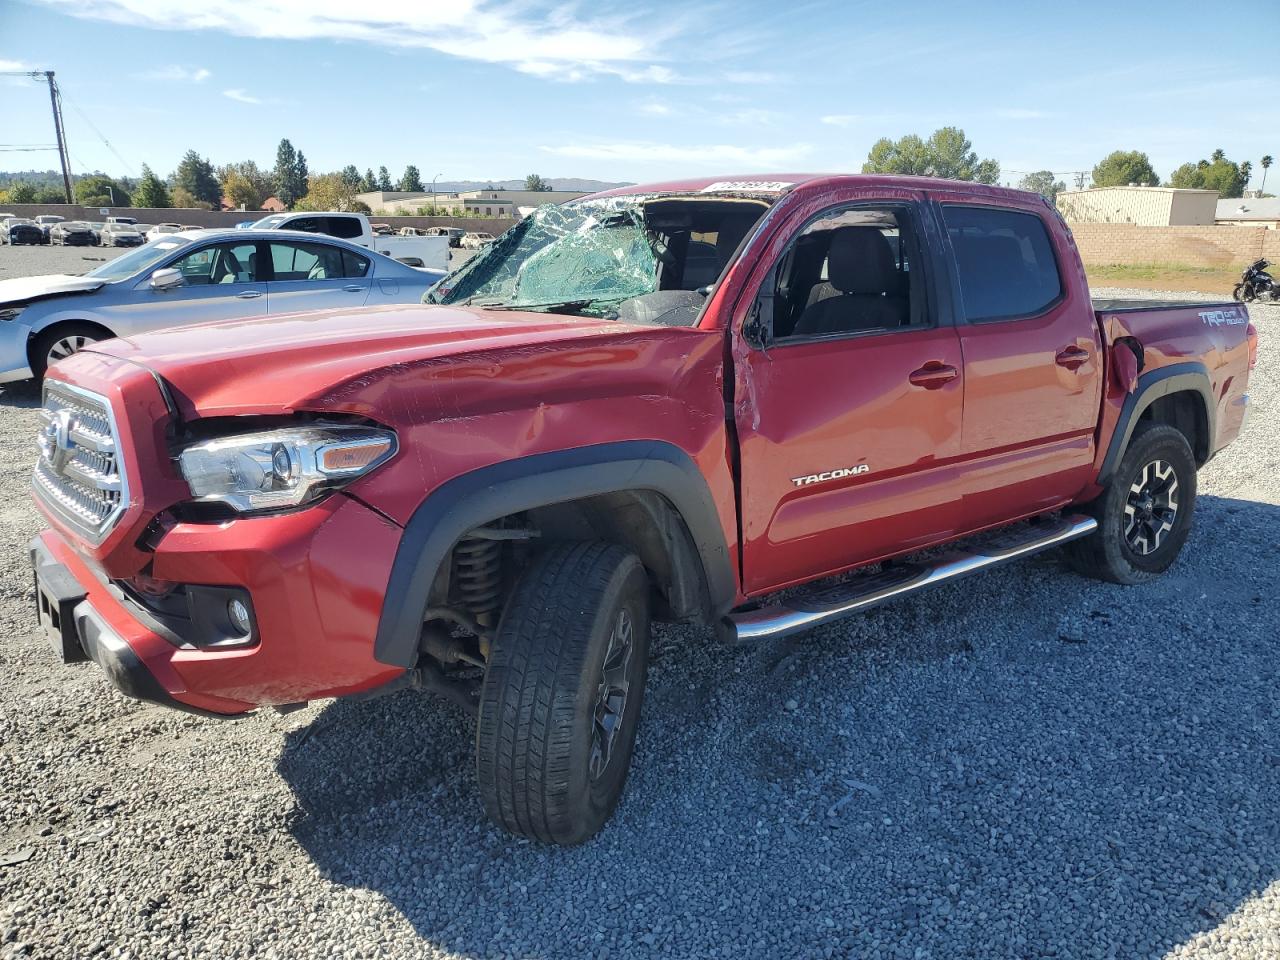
1027 764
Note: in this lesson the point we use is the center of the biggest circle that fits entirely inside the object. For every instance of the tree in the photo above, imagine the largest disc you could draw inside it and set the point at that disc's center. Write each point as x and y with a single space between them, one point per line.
290 174
1266 165
151 191
1217 173
245 185
1123 167
384 180
332 191
369 182
51 195
22 192
1042 182
183 199
351 175
411 182
98 190
947 153
535 182
195 175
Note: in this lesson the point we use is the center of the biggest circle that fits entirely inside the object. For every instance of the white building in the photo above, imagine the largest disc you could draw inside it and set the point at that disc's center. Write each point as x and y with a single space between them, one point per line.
1145 206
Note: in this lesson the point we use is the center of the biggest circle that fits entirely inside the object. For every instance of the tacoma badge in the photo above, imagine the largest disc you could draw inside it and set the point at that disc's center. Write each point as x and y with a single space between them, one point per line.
831 475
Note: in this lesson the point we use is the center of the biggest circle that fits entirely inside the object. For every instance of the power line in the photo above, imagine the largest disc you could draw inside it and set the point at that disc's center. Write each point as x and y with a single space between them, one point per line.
101 136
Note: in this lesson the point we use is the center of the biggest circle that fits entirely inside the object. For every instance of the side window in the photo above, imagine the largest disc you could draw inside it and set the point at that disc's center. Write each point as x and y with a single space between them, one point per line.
354 265
222 263
851 270
347 228
305 224
1004 262
306 261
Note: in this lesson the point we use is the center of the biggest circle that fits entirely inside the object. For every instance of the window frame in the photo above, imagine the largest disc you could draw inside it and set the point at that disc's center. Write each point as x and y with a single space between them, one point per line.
294 242
962 316
914 210
191 250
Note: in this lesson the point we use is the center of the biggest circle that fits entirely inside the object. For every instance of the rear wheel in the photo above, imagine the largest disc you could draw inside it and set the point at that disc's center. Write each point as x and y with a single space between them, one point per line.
1144 516
560 702
60 342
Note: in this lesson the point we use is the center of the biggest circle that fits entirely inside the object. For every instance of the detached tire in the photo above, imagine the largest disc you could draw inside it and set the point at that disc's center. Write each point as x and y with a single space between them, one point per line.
561 696
1145 514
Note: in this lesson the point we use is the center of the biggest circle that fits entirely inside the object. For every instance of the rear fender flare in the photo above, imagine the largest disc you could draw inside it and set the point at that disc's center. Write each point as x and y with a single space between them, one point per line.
476 498
1151 387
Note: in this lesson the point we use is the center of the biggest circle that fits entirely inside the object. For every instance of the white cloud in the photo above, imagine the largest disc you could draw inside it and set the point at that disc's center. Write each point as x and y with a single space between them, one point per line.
177 74
753 76
839 119
654 108
538 37
748 117
721 156
1019 113
240 96
15 65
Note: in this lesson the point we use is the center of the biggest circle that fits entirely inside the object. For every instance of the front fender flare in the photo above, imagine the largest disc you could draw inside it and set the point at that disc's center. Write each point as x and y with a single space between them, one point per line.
476 498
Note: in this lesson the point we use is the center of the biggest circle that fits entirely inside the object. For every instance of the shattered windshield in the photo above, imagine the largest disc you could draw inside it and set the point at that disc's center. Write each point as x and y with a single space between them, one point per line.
590 253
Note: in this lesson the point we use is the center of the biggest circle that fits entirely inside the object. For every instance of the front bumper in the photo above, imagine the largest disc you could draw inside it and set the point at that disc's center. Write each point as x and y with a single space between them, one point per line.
316 578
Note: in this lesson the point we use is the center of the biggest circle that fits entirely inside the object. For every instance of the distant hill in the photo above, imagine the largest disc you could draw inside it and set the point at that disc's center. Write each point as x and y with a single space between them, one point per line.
576 184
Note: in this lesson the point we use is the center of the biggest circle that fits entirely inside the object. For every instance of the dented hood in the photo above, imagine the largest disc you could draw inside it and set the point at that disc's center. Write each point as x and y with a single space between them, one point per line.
282 364
27 289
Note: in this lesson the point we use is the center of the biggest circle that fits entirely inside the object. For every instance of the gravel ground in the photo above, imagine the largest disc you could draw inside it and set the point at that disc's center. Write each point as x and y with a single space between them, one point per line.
1029 764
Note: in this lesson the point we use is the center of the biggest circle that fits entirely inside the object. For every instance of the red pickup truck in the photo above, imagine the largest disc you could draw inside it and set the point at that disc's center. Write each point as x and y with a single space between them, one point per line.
666 402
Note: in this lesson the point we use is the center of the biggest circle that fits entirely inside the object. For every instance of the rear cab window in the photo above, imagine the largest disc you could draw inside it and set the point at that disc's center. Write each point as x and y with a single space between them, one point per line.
1004 262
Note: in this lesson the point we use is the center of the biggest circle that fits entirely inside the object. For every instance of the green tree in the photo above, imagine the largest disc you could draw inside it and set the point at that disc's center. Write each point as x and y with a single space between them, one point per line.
384 180
245 184
351 175
98 190
51 195
535 182
1216 173
1042 182
332 191
151 191
184 200
1123 167
195 175
22 192
411 182
1189 176
1266 165
290 174
947 153
368 183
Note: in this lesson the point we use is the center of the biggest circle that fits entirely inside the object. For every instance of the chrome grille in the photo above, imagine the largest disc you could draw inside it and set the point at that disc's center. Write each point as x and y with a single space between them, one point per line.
78 475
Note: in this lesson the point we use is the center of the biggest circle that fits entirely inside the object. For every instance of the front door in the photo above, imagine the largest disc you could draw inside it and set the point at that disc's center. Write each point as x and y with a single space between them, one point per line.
849 414
220 281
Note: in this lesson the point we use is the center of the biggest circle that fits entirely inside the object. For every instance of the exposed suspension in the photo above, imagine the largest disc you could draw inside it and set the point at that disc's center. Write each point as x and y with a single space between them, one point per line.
477 577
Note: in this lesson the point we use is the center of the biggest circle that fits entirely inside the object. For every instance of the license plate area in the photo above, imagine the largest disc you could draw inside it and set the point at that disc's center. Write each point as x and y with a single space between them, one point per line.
57 594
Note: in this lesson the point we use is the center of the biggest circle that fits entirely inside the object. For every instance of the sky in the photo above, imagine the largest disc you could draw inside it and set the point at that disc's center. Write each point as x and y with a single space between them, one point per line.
631 91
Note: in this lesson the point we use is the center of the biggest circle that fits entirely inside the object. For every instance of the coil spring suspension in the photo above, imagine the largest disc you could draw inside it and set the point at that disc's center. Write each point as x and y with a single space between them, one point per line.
477 577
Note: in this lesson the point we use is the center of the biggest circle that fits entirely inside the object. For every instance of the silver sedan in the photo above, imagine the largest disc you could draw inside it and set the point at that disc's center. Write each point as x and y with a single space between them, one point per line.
192 277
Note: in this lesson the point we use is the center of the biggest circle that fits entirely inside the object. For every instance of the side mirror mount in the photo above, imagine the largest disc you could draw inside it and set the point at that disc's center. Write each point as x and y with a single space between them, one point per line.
166 279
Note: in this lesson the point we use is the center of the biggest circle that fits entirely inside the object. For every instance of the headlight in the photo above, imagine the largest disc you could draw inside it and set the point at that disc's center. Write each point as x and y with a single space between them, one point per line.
282 468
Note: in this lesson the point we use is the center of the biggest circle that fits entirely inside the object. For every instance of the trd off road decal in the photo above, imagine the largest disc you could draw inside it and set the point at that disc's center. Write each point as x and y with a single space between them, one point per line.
830 475
1232 317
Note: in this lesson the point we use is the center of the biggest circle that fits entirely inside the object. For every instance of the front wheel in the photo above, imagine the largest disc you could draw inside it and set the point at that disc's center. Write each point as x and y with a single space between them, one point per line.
560 702
1144 516
60 342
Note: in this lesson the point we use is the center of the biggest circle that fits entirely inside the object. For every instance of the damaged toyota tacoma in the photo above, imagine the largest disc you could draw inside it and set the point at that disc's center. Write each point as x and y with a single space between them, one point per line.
660 403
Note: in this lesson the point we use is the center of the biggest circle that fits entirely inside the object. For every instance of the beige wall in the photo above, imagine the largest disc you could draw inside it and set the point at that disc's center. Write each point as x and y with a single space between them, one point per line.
1146 206
1218 246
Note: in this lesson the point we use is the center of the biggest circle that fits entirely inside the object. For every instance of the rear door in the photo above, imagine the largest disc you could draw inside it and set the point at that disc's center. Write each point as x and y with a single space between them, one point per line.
313 275
849 416
1032 358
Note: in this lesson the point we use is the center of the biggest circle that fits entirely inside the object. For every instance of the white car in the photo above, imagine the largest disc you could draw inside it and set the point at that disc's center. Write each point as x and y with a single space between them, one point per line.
429 252
121 235
160 229
474 241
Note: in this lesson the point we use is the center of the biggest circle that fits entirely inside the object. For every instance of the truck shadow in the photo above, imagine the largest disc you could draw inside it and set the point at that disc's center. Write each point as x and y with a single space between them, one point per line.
1025 764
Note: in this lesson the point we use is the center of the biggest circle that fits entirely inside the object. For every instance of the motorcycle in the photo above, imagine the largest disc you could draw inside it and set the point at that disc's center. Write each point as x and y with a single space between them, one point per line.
1255 284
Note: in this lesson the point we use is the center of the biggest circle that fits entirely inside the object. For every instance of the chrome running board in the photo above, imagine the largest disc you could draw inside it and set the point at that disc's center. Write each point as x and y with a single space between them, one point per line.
814 607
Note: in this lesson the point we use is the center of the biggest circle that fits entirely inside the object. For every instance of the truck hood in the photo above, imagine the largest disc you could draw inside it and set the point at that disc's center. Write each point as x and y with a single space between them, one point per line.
302 361
28 289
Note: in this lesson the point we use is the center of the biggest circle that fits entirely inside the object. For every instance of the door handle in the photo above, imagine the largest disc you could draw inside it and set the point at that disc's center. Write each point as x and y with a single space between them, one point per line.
353 288
1071 357
933 375
249 294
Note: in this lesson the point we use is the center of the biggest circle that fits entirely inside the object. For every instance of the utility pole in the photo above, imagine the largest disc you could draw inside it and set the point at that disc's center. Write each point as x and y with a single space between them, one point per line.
55 101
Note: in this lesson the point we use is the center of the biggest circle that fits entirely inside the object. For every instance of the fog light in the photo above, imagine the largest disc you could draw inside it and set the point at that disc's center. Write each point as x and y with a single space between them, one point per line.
238 613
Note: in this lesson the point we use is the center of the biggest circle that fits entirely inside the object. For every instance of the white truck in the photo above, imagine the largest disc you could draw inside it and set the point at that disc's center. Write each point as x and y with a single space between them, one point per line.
429 252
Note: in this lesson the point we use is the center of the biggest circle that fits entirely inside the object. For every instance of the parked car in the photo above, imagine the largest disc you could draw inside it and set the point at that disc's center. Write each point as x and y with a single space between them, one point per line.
73 233
189 277
20 230
455 235
46 221
704 401
474 241
131 221
115 234
381 229
160 229
429 252
96 226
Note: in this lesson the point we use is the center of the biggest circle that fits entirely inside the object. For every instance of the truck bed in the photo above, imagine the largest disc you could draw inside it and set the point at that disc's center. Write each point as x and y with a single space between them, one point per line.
1102 305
